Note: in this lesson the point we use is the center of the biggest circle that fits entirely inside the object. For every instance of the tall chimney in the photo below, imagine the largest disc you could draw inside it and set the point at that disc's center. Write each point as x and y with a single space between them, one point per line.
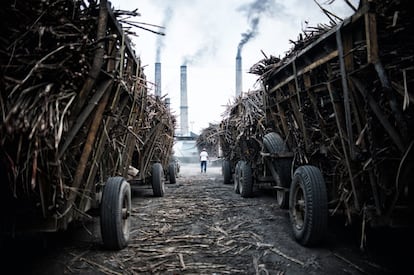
168 103
184 107
157 79
238 73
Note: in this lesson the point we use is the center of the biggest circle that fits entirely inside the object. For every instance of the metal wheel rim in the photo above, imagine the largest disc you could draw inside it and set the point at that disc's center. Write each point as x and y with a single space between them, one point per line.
280 196
240 182
236 179
298 208
126 213
236 184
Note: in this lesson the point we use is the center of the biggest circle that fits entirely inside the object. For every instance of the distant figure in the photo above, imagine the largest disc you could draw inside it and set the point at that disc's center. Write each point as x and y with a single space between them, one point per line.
203 160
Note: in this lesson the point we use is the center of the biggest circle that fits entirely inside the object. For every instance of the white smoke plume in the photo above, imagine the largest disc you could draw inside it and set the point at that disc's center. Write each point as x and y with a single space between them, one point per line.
207 49
254 11
168 14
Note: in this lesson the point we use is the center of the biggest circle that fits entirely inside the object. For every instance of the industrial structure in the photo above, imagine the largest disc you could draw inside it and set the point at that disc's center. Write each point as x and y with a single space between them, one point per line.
239 86
157 78
184 106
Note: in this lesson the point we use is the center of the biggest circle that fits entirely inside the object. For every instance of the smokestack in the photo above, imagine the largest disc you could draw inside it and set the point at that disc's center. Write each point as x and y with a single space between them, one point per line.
157 79
238 74
168 103
184 107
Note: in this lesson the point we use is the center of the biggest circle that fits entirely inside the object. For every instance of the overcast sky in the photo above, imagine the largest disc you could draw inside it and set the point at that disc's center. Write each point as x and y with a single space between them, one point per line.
205 35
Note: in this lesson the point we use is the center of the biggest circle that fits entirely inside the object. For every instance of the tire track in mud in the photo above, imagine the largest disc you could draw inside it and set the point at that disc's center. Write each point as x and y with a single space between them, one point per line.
200 226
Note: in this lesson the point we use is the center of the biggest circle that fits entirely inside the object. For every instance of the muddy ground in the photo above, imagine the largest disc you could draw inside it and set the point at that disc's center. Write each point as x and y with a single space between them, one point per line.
201 226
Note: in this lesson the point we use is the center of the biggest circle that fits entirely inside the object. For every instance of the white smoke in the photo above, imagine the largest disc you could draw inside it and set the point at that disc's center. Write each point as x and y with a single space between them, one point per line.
254 11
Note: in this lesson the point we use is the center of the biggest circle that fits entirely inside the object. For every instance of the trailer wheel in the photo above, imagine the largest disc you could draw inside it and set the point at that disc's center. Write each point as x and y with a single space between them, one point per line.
274 144
237 178
158 186
226 171
245 180
171 173
308 205
115 213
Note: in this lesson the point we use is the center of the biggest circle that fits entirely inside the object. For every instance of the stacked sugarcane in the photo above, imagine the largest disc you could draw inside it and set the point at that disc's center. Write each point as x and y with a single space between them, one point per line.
156 135
378 136
209 139
242 128
309 35
73 100
46 53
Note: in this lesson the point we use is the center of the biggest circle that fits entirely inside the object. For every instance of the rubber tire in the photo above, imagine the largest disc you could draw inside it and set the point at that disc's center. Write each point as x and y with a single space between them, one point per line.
274 144
171 173
308 206
226 171
245 180
158 184
236 186
115 213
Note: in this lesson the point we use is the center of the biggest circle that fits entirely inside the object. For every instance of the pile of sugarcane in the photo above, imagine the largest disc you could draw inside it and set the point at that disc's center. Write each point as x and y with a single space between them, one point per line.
309 35
351 113
47 49
73 103
156 135
388 18
209 139
243 127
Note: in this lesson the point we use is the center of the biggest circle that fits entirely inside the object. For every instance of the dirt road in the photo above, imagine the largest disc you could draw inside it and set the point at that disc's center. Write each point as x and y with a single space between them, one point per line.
200 226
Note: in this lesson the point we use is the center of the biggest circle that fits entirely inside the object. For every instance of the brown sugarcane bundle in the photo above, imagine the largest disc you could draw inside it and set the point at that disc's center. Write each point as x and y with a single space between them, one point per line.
209 139
48 53
243 127
157 134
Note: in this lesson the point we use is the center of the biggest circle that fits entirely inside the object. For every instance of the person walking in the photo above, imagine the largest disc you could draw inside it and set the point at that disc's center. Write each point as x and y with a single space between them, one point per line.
203 160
